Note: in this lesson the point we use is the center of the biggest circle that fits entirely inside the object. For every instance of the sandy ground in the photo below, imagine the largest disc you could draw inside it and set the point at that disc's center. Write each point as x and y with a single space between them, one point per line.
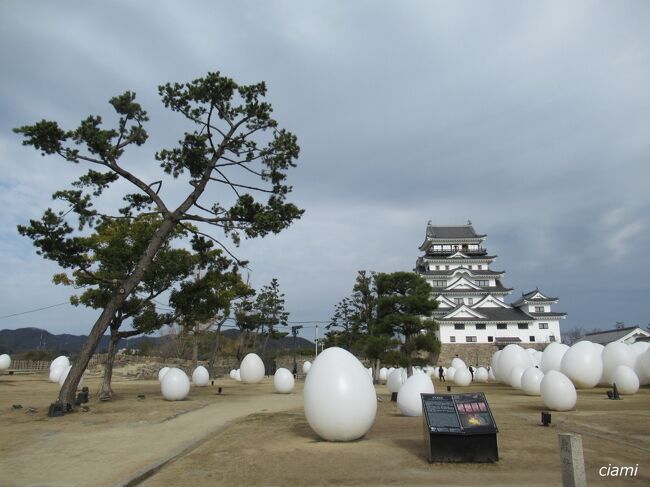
251 436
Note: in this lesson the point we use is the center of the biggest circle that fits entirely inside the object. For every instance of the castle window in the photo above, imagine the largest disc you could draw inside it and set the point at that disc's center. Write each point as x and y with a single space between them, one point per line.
480 326
446 267
480 267
470 339
490 339
437 267
458 300
482 283
522 326
452 339
539 309
502 326
543 326
551 338
459 326
532 338
470 300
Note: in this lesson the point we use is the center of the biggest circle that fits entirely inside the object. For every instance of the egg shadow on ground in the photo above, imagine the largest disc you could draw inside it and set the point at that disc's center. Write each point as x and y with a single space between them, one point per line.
413 446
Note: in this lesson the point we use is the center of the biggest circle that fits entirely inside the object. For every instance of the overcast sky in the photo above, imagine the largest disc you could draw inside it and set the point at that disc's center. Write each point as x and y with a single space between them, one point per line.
531 119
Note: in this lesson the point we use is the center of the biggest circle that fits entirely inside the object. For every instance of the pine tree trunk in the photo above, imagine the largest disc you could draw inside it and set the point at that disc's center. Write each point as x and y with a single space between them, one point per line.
69 389
195 346
215 349
266 342
106 392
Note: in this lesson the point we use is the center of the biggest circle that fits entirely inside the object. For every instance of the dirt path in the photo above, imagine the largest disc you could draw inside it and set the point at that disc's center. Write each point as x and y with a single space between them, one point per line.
118 441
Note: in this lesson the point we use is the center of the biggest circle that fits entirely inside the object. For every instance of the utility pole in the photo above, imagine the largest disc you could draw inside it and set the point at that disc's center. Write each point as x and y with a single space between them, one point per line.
316 340
294 332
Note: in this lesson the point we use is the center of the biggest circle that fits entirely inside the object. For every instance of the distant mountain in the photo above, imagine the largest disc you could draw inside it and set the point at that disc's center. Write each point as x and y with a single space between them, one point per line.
26 339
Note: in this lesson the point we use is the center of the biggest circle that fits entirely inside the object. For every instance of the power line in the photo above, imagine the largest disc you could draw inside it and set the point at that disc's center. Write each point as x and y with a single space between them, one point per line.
34 310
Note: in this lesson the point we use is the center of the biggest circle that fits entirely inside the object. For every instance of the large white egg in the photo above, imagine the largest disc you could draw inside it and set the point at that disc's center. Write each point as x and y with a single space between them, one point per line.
55 372
238 375
537 358
175 385
5 361
451 372
201 376
408 397
515 377
251 369
644 362
395 380
557 391
283 381
494 362
462 377
583 365
61 360
369 369
340 399
383 374
640 347
457 363
511 356
306 366
615 354
625 379
531 380
481 375
162 372
552 357
232 373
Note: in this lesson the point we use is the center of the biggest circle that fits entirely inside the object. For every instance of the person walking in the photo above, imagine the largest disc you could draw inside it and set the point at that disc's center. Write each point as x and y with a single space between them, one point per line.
441 374
471 371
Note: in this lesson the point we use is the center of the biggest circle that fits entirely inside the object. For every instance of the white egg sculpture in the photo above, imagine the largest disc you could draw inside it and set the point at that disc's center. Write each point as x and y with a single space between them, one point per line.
408 397
395 380
283 381
451 372
369 369
462 377
162 372
644 362
552 357
511 356
491 375
625 379
55 372
232 373
615 354
251 369
531 381
583 365
383 374
306 366
457 363
557 391
493 363
481 375
201 376
60 361
537 358
175 385
237 375
5 361
640 347
515 377
339 397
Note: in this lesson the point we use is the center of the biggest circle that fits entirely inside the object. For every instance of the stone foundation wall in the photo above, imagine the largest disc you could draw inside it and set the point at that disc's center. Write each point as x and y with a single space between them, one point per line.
474 353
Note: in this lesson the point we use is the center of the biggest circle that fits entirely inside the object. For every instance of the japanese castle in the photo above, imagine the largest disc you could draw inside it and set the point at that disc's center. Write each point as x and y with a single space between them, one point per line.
471 297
